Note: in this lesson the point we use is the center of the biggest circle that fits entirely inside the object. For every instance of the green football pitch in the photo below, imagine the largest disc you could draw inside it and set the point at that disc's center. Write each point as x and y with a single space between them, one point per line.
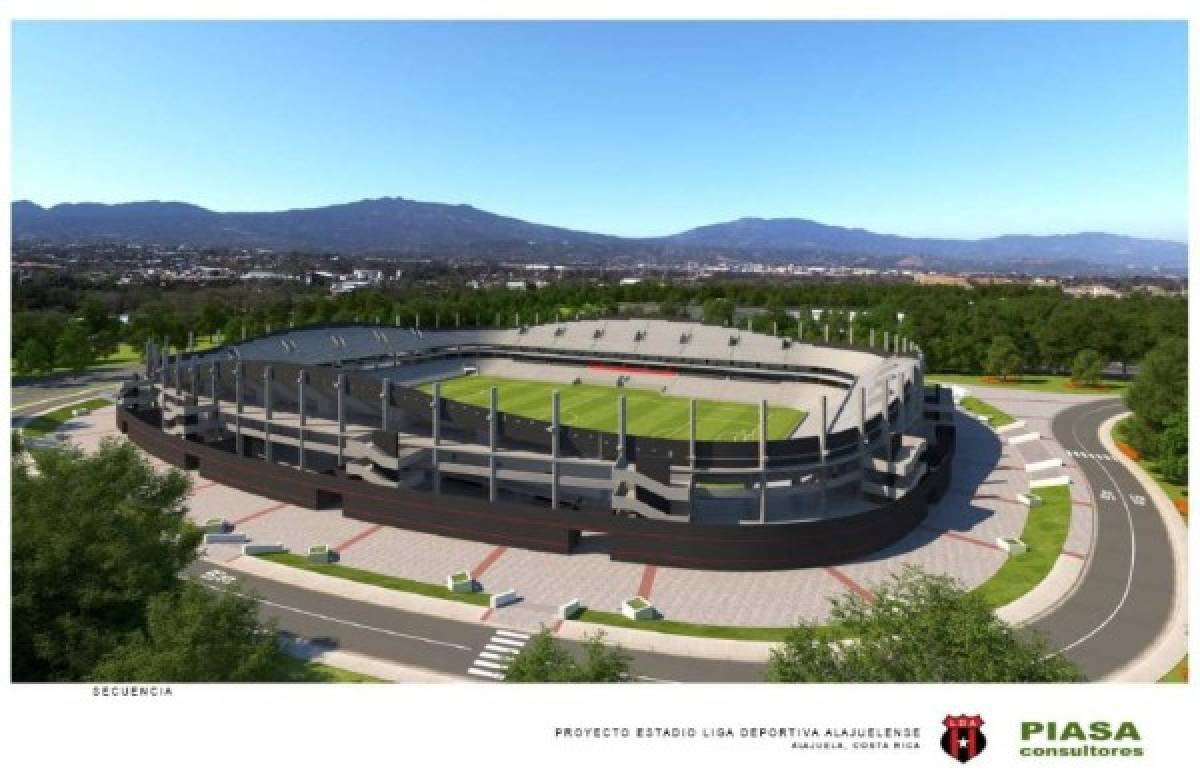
649 413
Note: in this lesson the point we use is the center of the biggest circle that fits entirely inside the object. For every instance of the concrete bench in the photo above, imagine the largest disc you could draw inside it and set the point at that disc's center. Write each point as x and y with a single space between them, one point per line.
1053 462
255 549
1052 481
1013 546
1017 425
1028 499
1023 438
225 537
503 598
569 608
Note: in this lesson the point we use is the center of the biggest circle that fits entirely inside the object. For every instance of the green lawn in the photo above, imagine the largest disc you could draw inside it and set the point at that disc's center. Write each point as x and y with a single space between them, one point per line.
48 423
377 579
977 406
1045 533
649 413
1035 382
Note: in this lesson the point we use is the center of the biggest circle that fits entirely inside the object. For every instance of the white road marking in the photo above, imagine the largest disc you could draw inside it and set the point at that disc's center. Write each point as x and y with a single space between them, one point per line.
1132 559
498 653
517 635
355 624
508 641
485 673
500 648
67 397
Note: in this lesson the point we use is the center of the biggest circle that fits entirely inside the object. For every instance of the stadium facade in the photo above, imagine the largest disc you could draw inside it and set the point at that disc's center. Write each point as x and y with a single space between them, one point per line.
352 416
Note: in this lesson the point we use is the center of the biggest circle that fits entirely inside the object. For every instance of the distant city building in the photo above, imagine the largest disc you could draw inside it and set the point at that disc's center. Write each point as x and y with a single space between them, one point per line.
933 278
1092 291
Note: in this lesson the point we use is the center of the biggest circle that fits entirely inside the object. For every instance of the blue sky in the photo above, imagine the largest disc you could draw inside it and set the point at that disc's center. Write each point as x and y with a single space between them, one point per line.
638 129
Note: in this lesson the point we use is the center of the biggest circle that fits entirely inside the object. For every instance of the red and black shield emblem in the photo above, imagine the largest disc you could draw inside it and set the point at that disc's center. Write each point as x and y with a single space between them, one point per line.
963 740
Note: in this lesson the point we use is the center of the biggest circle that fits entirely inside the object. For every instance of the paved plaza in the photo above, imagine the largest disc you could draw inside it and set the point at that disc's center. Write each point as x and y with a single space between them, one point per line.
957 539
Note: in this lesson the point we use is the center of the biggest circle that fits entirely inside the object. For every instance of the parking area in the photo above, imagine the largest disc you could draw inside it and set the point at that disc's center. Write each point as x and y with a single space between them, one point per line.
958 539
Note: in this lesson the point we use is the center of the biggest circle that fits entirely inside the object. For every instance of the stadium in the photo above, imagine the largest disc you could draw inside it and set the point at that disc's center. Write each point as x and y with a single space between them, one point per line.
655 441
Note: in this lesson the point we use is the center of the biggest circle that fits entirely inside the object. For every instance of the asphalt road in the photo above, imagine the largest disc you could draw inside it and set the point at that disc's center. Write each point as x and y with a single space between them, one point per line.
32 397
429 642
1124 598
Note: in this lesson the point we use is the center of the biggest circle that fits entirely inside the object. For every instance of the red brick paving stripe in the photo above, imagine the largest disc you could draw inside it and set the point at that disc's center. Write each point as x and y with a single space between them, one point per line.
557 625
488 561
487 614
1074 555
1081 503
850 583
205 485
366 533
647 584
962 537
260 512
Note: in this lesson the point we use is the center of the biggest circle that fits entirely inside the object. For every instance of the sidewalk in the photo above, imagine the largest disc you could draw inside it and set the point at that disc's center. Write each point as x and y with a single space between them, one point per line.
1171 645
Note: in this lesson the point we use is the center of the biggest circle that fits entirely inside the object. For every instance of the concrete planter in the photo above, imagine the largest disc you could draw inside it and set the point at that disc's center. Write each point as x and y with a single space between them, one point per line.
1013 546
257 549
213 527
569 609
638 609
320 554
461 582
214 538
503 598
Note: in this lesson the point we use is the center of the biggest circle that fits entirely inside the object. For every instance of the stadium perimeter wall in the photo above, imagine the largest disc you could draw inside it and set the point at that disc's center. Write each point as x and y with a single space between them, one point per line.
676 544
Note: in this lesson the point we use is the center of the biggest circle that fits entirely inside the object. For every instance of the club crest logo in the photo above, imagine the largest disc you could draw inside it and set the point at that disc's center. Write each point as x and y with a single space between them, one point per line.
963 739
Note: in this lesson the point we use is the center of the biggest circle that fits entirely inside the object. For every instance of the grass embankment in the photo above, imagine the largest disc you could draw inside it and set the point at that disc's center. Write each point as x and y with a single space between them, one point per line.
996 417
302 671
1178 493
1177 675
377 579
1044 535
650 413
663 626
1034 382
49 423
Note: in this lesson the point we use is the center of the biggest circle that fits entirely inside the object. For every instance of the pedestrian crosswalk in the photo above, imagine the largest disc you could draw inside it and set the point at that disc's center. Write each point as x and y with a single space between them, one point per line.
1086 455
492 662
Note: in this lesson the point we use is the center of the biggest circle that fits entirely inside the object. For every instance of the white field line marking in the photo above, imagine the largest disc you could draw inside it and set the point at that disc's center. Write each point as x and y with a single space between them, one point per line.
1132 559
355 624
507 633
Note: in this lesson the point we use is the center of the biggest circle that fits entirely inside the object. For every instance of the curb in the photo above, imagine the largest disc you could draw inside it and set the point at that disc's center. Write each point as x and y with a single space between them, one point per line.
1171 644
751 651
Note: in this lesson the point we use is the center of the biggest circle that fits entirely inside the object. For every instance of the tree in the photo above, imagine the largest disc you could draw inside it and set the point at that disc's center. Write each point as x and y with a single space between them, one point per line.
34 356
916 628
93 539
74 349
196 635
718 311
1086 367
1172 448
543 660
1003 359
1160 388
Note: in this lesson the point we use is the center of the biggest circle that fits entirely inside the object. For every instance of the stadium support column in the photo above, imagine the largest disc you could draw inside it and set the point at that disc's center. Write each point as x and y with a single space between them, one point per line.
435 457
902 414
301 379
493 419
149 357
826 333
872 338
887 383
554 440
885 342
824 450
622 417
851 331
340 386
268 376
214 375
239 407
692 455
862 417
385 399
762 461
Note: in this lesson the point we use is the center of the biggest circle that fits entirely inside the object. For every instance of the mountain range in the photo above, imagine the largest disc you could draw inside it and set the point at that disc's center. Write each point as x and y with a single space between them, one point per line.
399 225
